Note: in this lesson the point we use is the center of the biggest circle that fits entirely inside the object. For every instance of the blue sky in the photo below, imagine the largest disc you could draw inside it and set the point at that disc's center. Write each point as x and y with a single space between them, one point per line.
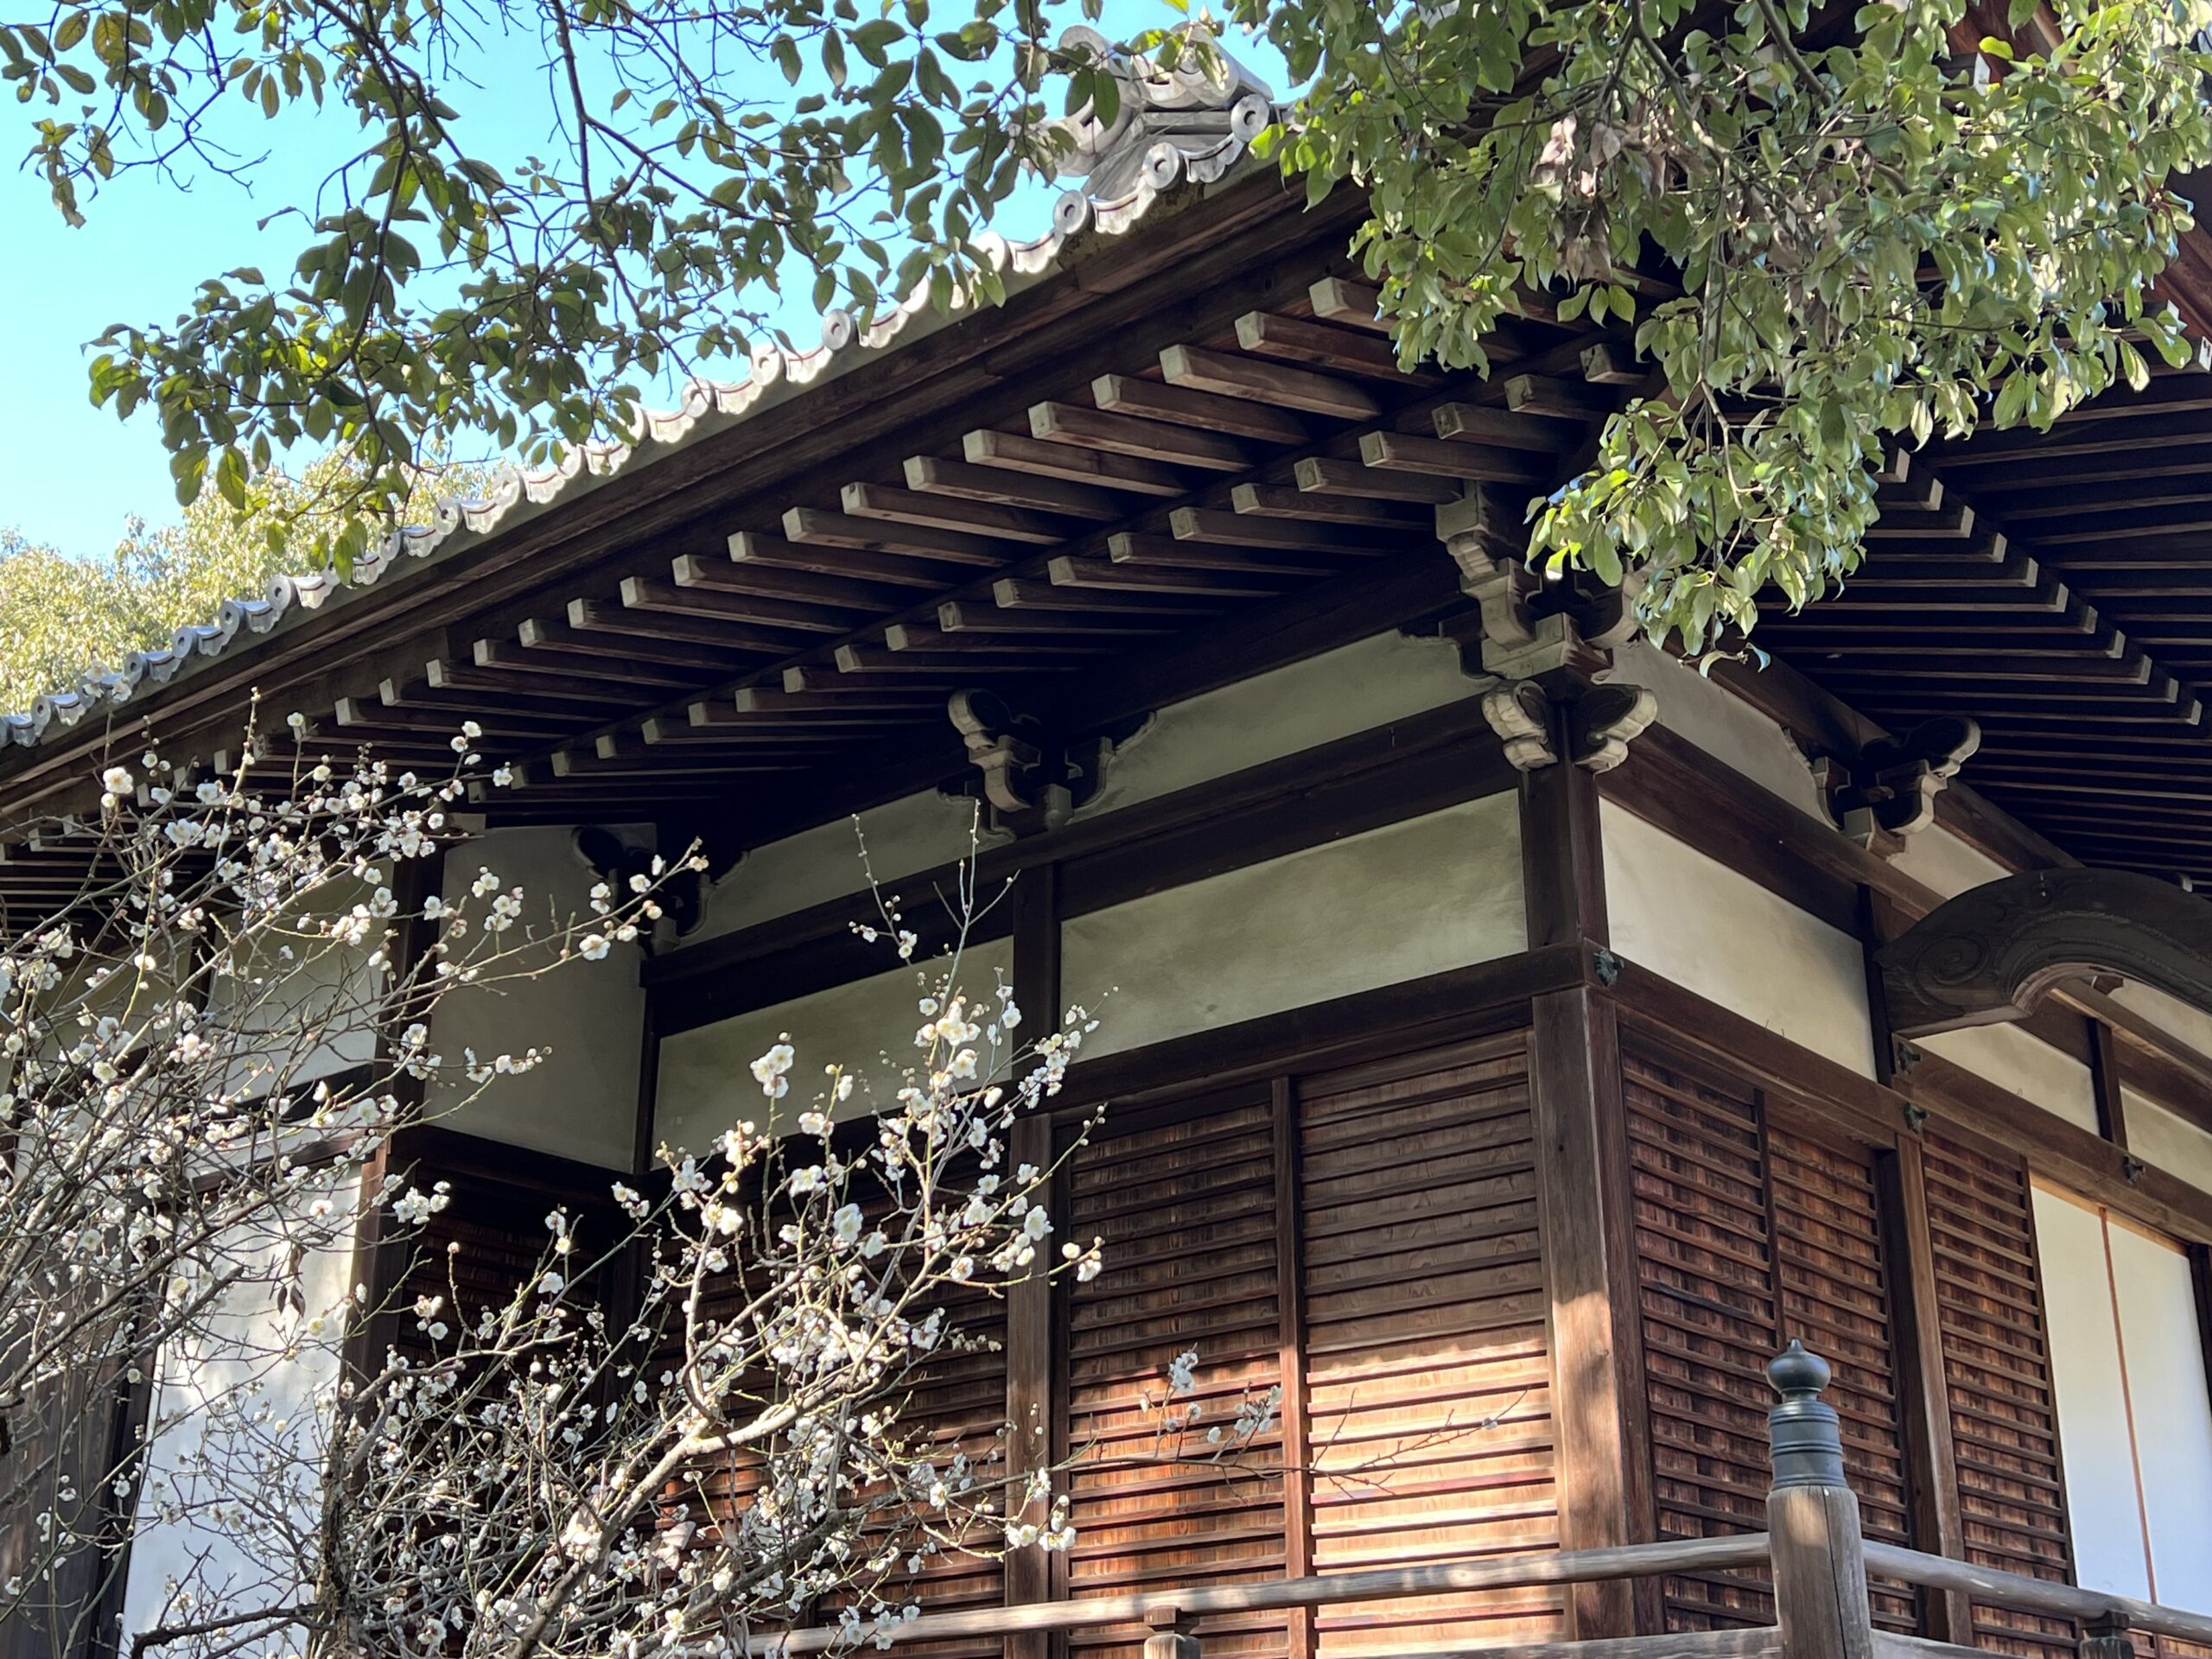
70 474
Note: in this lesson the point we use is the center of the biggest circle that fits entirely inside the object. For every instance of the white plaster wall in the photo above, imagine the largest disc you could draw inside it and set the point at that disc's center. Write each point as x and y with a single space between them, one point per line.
1936 858
2167 1141
1353 688
590 1016
2030 1068
2093 1433
917 832
2170 1015
1721 723
1376 909
2173 1411
259 1353
1719 933
867 1027
289 987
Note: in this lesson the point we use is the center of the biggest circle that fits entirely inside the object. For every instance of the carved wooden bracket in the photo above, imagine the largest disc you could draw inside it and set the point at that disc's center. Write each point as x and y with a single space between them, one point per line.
1890 789
1600 721
682 893
1992 953
1026 784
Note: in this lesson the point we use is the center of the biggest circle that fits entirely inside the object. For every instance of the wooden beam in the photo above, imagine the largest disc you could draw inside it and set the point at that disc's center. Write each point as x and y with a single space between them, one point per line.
1144 440
1295 1411
1243 530
824 529
1312 506
753 551
1276 385
1505 429
964 481
1338 299
1201 411
1923 1393
1037 458
975 517
1126 547
1128 579
1326 475
1406 452
1323 346
1032 1404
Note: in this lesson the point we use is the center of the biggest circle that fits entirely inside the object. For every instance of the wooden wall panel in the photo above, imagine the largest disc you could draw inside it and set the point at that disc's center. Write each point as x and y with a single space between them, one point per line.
1187 1211
1996 1369
1426 1366
1750 1233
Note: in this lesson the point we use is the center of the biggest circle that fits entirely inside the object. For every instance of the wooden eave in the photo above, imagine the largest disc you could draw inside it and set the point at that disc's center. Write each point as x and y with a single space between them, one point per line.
1184 457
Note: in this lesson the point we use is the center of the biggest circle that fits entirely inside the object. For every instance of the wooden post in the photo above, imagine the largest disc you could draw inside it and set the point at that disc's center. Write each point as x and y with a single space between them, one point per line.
1812 1519
1585 1212
1923 1391
1290 1301
2106 1639
1168 1634
1030 1408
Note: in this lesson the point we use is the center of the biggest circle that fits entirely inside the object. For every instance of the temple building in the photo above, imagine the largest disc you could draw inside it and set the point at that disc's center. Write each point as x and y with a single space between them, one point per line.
1502 1022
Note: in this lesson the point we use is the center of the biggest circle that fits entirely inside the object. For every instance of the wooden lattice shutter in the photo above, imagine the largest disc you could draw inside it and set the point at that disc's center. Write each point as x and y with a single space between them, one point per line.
1427 1367
1750 1233
1188 1213
1996 1369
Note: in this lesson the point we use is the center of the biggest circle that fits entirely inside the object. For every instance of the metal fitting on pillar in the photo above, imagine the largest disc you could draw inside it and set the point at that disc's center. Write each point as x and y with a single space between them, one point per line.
1168 1634
1805 1434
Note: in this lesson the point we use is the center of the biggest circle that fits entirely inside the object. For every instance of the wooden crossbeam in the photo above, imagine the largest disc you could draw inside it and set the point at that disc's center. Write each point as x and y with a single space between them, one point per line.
1953 521
985 519
1406 452
1279 385
461 681
673 620
1240 529
754 702
510 656
1016 593
1535 394
1125 434
1108 577
1325 345
716 589
1897 570
1125 547
823 529
764 552
1051 457
1504 429
927 636
1324 475
562 639
968 617
1338 299
965 480
1201 411
1312 507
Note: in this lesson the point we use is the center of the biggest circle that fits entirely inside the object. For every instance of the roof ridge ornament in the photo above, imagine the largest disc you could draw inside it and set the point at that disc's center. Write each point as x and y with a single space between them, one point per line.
1192 120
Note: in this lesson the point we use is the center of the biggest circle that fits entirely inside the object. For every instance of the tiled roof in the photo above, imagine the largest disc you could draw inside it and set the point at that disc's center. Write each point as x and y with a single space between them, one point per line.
1172 127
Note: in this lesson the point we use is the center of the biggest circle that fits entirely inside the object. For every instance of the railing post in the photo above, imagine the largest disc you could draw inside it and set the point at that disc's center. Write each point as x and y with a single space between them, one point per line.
1812 1519
2106 1639
1171 1636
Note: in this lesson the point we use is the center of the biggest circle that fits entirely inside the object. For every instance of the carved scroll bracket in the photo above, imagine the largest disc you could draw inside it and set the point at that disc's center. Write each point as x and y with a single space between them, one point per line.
1888 790
1541 646
1993 953
1028 784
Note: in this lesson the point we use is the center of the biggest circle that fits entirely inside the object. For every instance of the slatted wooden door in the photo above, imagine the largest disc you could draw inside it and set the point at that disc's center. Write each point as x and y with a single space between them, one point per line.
1751 1231
1187 1211
1997 1372
1427 1367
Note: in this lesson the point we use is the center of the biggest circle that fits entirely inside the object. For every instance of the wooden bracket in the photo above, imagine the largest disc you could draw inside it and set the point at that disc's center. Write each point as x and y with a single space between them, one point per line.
682 896
1520 715
1605 719
1028 787
1890 790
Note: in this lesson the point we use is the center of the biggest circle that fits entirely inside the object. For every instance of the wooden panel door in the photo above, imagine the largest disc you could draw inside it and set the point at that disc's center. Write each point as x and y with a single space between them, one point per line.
1997 1372
1750 1233
1187 1211
1427 1370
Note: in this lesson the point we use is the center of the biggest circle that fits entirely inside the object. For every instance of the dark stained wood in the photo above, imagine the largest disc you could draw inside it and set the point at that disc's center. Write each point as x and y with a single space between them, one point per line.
1583 1203
1324 476
1160 421
2105 1078
1923 1395
1276 384
1407 451
1021 453
1290 1276
965 480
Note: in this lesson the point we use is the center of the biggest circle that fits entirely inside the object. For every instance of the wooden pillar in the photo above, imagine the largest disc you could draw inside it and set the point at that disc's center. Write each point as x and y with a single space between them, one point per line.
1923 1395
1290 1301
378 1262
1584 1213
1819 1565
1033 1574
2104 1077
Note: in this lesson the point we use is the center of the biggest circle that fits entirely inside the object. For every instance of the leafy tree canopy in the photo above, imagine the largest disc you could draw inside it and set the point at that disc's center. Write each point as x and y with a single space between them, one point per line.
60 616
1867 235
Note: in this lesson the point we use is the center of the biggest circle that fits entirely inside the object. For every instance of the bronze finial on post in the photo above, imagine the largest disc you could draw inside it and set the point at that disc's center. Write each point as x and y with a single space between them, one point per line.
1812 1518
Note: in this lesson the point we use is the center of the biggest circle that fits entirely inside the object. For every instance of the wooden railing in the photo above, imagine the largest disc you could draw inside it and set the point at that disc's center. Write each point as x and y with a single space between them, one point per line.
1813 1546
